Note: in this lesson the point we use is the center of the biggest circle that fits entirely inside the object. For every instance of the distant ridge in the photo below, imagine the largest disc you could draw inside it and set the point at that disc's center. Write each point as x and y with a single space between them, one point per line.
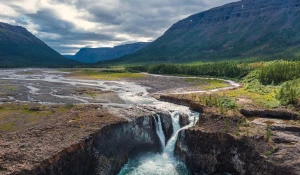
238 30
93 55
20 48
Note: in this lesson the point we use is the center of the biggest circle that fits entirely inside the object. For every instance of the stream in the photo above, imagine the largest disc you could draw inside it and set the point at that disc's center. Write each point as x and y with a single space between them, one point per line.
163 163
47 86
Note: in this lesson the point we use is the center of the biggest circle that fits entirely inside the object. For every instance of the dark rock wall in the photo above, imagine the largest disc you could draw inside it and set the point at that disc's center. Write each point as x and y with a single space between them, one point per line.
214 153
105 152
167 126
183 120
264 113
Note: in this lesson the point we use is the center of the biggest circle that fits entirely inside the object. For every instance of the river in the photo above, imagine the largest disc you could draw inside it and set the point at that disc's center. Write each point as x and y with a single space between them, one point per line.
47 86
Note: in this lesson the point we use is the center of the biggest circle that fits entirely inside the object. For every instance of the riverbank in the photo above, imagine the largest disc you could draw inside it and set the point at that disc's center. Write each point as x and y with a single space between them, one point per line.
239 140
49 138
83 139
40 135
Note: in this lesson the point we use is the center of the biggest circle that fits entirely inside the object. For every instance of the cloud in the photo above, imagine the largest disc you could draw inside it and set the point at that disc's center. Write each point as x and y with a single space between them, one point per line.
68 25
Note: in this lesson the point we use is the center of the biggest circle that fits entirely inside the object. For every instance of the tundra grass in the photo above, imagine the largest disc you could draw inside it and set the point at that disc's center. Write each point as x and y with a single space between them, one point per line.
207 84
104 75
14 117
252 90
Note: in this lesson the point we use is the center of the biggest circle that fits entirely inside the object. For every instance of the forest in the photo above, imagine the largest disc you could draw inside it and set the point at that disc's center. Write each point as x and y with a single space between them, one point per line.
282 75
224 69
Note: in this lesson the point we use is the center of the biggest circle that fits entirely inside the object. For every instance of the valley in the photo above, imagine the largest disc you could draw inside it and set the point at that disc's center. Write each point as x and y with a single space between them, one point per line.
77 108
149 87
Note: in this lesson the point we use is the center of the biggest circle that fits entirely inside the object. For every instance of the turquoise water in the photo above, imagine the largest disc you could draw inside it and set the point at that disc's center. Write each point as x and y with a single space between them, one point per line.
164 163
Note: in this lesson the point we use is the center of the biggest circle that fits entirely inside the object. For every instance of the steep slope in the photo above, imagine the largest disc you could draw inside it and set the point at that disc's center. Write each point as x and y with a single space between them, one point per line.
236 30
20 48
92 55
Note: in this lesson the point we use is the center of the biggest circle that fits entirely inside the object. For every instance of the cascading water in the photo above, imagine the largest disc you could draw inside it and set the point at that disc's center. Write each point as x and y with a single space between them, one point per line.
130 94
164 163
160 132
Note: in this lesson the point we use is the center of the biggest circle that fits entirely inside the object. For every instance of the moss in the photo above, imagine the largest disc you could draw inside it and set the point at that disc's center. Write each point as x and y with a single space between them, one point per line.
104 75
268 153
2 169
207 84
10 126
69 106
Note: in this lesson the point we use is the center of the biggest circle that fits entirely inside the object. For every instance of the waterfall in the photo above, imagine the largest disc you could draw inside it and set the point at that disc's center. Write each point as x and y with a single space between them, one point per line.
165 163
159 131
169 149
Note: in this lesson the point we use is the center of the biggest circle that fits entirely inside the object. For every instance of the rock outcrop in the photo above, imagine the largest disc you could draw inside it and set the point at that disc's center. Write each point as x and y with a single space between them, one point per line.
271 113
102 148
220 144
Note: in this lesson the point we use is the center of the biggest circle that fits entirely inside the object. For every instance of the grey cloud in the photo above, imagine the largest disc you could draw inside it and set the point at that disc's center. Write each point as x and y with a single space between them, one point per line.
135 18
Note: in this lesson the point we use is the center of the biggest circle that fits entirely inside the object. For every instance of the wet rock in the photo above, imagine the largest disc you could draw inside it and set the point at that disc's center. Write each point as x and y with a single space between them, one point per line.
167 125
210 149
183 120
193 105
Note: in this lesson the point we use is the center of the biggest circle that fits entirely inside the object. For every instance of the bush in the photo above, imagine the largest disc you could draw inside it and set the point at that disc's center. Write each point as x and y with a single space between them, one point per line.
279 72
229 69
289 92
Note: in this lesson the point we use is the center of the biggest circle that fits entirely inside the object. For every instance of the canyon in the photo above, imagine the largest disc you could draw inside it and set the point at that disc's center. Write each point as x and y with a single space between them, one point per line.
125 130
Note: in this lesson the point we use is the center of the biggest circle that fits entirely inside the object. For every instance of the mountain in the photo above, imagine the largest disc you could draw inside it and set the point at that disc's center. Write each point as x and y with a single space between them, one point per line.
242 29
20 48
93 55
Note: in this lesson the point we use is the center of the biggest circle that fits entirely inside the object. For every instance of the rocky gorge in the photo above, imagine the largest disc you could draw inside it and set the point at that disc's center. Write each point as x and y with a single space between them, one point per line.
247 141
141 135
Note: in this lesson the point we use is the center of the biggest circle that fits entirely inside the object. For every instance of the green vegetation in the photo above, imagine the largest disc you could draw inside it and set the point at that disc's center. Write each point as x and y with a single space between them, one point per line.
268 132
19 48
279 71
267 36
207 84
222 69
103 74
265 84
268 153
289 92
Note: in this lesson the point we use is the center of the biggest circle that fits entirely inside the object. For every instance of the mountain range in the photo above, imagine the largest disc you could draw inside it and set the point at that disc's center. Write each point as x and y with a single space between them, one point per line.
243 29
20 48
93 55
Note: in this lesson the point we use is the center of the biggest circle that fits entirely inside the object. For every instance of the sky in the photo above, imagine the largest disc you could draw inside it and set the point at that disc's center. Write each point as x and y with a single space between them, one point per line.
68 25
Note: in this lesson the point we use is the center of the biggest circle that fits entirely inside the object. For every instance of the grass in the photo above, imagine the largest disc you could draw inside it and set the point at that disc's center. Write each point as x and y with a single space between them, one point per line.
267 100
268 153
263 96
207 84
109 75
253 92
17 116
9 126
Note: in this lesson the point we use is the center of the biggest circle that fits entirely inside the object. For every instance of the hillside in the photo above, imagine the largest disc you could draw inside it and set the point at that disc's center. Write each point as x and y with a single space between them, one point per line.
237 30
93 55
20 48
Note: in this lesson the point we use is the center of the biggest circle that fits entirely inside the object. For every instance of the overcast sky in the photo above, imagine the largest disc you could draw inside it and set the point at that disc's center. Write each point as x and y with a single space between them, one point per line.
68 25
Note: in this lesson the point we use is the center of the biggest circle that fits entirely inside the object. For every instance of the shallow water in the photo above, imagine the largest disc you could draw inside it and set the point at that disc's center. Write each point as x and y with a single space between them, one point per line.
47 86
163 163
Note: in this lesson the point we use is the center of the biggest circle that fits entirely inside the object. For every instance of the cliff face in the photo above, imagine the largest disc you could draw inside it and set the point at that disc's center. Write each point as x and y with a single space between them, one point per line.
105 152
93 55
236 30
86 139
218 145
20 48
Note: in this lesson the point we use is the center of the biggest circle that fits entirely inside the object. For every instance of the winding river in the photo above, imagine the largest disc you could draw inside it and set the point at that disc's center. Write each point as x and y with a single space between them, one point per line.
47 86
